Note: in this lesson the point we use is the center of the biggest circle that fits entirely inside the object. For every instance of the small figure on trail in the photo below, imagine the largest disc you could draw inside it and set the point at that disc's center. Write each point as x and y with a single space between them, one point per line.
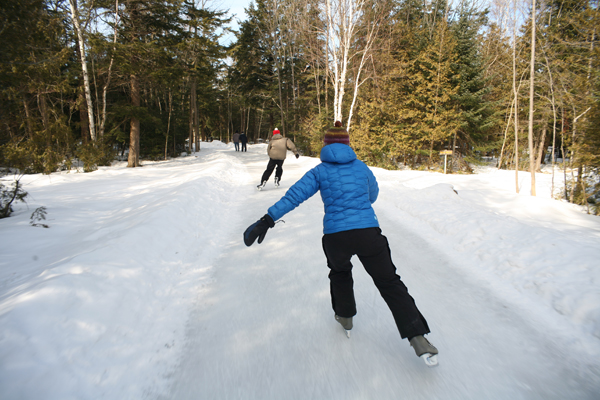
350 226
236 141
277 151
243 141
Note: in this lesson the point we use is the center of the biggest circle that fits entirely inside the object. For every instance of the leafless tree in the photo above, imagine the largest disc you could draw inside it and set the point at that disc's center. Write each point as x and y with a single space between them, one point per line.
531 99
86 77
352 26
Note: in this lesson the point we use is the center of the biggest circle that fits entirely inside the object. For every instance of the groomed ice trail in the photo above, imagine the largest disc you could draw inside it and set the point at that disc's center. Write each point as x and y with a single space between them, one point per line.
142 288
264 328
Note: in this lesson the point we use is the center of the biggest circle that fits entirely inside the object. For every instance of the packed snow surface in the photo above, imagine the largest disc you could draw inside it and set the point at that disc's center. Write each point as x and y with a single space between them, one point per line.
142 288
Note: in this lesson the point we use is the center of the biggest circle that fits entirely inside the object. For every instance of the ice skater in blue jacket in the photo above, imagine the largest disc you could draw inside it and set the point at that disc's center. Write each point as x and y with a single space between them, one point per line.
350 227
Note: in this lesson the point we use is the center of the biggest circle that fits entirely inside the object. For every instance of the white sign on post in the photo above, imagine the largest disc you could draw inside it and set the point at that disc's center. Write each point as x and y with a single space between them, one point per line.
445 153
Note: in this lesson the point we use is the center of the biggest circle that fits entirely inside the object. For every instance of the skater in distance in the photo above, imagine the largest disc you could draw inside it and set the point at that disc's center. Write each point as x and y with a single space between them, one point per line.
350 227
243 141
236 141
277 151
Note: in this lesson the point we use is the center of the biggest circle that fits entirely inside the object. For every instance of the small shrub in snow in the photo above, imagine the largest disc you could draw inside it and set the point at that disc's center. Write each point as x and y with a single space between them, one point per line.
9 195
37 216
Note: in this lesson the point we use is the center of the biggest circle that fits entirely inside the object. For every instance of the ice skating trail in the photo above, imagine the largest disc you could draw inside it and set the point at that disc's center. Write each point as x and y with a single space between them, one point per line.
264 328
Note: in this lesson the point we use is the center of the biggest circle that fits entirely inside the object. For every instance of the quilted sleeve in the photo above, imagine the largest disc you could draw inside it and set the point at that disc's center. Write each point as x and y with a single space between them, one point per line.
373 187
300 191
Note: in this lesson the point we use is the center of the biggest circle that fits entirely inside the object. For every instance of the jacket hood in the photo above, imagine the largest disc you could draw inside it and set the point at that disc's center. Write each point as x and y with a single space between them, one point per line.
276 136
337 153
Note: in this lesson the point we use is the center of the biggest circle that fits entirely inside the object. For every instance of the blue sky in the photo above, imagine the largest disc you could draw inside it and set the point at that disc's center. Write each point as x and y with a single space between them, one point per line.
236 9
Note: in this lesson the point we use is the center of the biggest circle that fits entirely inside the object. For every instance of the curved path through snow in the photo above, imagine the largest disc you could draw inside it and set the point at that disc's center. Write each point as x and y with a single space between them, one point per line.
264 328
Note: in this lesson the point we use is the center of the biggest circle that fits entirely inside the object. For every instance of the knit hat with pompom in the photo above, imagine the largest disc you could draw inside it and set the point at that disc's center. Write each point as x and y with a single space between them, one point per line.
336 134
275 131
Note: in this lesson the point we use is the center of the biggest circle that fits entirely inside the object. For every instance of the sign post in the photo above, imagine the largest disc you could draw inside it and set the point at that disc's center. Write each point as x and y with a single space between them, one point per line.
445 153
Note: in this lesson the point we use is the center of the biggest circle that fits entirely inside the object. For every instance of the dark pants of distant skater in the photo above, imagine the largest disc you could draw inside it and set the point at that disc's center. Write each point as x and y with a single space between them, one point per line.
270 166
373 251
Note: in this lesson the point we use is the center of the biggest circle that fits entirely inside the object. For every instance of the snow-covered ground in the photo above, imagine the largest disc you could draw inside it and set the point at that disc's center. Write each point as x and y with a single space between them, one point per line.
142 288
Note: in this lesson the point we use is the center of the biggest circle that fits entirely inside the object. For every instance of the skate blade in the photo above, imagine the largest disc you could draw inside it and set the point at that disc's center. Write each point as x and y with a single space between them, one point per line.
430 359
347 333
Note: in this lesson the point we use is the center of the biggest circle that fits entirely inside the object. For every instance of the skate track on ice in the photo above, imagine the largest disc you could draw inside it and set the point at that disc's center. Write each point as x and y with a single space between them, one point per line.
264 328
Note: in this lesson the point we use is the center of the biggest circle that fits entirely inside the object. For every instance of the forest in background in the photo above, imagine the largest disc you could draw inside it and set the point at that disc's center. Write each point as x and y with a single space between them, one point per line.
90 80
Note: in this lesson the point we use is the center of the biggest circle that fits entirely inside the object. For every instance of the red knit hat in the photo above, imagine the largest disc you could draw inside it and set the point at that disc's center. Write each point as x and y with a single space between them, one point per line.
336 134
276 131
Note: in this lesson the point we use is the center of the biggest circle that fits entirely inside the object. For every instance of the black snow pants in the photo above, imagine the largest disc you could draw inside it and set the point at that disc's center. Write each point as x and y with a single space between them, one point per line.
373 251
270 166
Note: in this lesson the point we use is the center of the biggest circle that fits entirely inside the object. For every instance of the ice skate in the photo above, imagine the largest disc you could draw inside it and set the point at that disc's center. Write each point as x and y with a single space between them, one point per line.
346 324
425 350
276 182
262 185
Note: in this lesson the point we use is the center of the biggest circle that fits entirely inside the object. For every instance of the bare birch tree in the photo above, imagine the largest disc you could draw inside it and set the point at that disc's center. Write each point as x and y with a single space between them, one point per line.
271 33
351 29
86 77
110 65
531 95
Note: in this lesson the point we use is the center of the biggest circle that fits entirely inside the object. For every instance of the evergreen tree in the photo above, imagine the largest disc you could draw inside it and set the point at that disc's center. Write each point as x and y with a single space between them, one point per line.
36 92
468 74
150 32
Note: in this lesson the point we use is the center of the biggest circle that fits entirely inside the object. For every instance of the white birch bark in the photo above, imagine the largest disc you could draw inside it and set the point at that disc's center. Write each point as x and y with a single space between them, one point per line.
86 78
277 49
515 94
531 93
343 18
112 59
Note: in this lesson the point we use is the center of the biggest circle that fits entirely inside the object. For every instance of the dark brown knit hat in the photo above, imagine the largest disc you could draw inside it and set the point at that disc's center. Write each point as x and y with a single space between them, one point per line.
336 134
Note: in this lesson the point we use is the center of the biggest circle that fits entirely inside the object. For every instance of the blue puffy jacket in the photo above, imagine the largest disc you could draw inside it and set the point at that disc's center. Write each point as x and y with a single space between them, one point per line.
348 188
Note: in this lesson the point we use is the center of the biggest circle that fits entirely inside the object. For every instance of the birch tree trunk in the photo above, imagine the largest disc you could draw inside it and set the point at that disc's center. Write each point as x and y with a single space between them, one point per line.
105 89
343 20
516 96
371 35
86 78
276 47
531 93
553 102
505 134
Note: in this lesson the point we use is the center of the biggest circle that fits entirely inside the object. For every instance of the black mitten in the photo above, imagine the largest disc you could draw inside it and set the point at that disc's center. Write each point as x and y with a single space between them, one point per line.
258 230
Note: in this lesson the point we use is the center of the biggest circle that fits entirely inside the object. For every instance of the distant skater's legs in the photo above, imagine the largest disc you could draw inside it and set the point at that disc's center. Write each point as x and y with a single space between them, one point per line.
279 170
270 167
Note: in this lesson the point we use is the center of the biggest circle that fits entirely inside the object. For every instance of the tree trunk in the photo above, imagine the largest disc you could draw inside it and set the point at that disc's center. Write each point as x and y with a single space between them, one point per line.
194 113
505 136
531 93
540 152
168 122
84 119
27 116
134 131
516 99
86 78
105 89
